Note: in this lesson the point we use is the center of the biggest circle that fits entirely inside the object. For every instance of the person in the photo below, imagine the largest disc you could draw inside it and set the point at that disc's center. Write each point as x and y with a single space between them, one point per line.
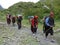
8 17
49 22
19 21
34 25
13 20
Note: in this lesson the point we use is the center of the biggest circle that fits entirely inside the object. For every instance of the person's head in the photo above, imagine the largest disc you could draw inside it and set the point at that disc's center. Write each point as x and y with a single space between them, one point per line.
19 16
51 14
35 17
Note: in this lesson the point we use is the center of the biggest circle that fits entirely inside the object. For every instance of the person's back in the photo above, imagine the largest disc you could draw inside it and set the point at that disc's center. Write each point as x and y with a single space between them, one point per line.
13 20
19 20
32 22
8 17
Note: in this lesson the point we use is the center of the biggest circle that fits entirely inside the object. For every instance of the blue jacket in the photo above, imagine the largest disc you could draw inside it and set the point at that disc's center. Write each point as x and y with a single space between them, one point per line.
49 21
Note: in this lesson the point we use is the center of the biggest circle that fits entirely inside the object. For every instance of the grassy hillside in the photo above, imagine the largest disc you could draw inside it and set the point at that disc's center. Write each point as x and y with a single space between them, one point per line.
30 8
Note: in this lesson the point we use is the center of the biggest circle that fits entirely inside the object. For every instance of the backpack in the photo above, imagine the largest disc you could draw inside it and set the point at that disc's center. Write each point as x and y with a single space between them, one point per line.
45 19
44 25
19 19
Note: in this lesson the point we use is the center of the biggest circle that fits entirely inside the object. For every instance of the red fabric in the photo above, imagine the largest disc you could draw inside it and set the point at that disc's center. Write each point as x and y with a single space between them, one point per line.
32 22
37 23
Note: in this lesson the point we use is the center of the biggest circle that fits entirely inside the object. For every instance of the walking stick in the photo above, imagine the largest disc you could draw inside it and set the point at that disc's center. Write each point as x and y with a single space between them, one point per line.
46 30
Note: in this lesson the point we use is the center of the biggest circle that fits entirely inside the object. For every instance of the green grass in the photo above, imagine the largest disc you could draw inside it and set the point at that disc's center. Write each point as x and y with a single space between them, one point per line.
2 18
57 25
25 22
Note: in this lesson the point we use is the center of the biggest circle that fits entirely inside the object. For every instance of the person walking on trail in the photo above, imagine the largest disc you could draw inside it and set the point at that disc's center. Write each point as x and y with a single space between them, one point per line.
34 25
8 17
13 20
49 22
19 21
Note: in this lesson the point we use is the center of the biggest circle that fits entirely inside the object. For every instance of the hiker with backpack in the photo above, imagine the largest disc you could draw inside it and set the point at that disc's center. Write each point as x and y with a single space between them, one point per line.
49 24
19 21
13 20
8 17
34 25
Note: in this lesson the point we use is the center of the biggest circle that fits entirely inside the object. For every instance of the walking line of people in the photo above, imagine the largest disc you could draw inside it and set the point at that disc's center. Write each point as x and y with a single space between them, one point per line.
48 23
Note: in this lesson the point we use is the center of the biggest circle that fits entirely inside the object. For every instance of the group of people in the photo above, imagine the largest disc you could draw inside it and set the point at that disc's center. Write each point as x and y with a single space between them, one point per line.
12 19
48 23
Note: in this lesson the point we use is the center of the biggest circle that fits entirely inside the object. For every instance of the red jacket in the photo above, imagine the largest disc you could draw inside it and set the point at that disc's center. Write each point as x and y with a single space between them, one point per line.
33 22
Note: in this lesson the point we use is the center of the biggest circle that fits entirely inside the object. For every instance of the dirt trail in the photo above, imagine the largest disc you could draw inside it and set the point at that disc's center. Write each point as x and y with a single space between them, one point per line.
12 36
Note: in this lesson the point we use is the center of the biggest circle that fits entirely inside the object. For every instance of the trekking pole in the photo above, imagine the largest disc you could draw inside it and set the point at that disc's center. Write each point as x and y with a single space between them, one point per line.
47 30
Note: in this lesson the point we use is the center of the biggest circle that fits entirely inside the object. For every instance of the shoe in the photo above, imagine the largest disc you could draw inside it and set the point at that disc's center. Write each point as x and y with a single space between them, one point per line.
33 34
46 39
53 40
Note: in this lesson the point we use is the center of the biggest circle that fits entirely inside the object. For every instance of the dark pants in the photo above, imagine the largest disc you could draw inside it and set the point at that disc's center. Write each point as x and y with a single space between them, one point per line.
19 25
44 26
48 30
13 21
34 30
